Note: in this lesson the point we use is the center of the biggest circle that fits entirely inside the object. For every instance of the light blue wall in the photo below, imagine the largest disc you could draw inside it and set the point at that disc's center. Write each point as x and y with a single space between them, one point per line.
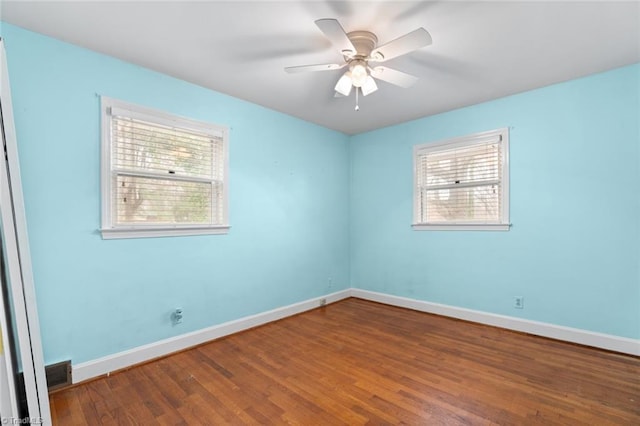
288 208
574 249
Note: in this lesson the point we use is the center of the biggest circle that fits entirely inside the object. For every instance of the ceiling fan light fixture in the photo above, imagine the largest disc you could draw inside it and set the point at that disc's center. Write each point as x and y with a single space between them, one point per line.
344 85
369 86
359 73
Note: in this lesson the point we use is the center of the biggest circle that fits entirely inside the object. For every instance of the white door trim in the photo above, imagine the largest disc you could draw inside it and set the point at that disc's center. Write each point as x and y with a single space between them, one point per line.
18 257
8 397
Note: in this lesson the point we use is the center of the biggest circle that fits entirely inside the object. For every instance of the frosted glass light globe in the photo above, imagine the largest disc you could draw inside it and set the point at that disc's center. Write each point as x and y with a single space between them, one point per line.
359 74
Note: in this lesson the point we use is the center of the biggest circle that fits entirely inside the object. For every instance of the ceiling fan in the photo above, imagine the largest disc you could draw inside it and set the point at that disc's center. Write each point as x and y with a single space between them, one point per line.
358 49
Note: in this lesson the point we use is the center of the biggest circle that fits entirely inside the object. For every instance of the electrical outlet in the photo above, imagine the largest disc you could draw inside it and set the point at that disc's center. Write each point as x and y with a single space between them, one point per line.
176 316
518 302
323 302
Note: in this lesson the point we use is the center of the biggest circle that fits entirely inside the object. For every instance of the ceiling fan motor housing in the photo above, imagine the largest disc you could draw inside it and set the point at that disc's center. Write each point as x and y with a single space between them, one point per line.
364 42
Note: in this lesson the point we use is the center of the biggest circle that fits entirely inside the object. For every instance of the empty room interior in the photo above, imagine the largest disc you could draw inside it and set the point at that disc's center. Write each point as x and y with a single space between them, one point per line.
320 212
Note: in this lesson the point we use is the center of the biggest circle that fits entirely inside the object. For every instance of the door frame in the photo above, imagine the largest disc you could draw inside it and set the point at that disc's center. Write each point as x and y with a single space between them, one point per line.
18 267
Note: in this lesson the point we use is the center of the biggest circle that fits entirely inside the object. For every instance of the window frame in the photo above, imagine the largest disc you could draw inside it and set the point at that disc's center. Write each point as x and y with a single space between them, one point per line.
109 229
477 138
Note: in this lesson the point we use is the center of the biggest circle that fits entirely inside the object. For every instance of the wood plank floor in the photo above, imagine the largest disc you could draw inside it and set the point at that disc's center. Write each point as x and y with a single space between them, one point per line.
357 362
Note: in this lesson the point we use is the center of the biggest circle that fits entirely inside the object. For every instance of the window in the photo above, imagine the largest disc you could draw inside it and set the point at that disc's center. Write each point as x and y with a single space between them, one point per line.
463 183
162 175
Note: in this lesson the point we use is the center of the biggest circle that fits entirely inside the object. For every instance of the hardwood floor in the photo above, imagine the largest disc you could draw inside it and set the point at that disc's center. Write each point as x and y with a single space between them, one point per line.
356 362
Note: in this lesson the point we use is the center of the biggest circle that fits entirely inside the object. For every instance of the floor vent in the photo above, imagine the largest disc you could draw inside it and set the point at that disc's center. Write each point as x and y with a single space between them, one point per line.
58 375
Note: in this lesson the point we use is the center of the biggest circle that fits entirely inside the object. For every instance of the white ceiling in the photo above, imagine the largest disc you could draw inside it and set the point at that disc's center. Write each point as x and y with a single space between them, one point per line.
481 50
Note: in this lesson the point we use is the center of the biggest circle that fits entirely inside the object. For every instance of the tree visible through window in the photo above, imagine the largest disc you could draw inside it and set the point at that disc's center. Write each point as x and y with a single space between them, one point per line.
463 181
164 172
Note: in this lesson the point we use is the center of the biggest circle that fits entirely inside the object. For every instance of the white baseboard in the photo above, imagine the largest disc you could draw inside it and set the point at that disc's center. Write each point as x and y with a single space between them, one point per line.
568 334
105 365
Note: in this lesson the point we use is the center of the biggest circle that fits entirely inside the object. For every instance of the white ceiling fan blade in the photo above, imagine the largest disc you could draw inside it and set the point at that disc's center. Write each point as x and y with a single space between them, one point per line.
392 76
369 86
337 35
401 46
319 67
344 85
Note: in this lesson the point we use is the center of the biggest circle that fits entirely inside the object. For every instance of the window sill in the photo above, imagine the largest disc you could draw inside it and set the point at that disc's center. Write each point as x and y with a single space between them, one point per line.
461 227
150 232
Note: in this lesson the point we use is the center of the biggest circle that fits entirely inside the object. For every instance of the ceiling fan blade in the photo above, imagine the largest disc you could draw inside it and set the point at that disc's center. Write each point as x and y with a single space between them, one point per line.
392 76
336 34
319 67
401 46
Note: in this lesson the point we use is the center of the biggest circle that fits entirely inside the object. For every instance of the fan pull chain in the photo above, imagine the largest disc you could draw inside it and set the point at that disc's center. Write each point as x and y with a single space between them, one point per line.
357 106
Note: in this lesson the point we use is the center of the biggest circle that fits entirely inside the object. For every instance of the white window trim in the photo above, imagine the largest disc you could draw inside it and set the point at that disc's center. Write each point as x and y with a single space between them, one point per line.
108 230
481 137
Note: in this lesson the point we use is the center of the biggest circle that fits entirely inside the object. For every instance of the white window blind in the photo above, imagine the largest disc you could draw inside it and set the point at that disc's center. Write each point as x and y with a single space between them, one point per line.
162 173
462 182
